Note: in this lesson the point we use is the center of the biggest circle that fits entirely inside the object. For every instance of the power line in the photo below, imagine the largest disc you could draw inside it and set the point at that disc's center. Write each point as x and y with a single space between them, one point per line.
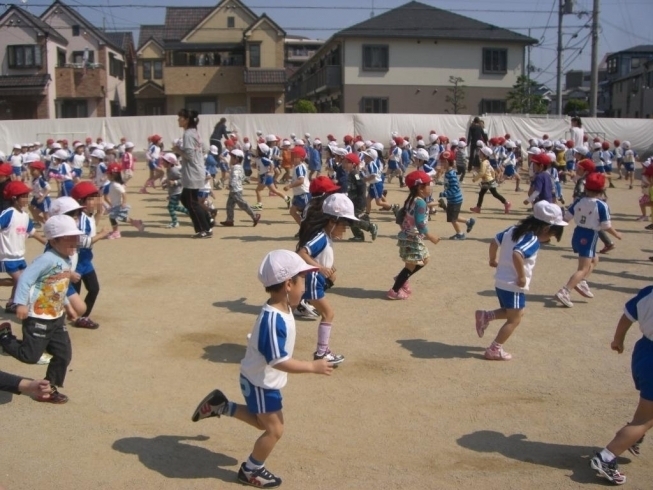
614 26
548 22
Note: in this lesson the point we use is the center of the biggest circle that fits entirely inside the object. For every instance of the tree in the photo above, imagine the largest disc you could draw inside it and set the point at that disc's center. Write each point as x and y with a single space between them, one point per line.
305 106
523 99
576 106
456 95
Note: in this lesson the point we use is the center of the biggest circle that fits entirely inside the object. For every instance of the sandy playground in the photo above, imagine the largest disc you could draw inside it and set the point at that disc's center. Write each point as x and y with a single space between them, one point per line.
413 406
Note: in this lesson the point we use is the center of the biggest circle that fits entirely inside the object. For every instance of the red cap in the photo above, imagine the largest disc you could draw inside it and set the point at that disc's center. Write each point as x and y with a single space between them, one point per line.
37 165
229 143
542 159
83 189
298 152
596 139
446 155
605 145
261 140
595 182
245 139
330 137
587 165
585 138
648 171
15 188
417 177
493 141
6 170
155 138
463 139
399 140
114 168
322 185
358 138
49 142
348 139
501 140
617 143
569 144
433 132
353 158
64 142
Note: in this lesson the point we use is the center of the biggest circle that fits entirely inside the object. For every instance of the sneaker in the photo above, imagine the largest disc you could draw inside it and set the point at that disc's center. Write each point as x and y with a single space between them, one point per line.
482 322
85 322
393 295
357 239
649 227
607 248
458 236
203 234
394 208
374 231
5 331
227 223
54 397
213 405
173 225
506 207
288 201
584 289
609 471
475 209
442 203
332 358
260 478
10 307
564 297
642 218
470 224
304 310
138 224
113 235
257 218
634 449
257 207
44 359
499 354
406 287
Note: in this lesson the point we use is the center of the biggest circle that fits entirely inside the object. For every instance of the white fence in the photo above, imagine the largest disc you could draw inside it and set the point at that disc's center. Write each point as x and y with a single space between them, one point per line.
377 127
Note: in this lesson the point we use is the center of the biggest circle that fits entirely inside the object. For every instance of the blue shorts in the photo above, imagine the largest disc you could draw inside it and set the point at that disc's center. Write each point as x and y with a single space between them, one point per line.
376 190
212 170
260 400
17 171
223 166
509 171
152 165
66 188
12 266
393 165
301 201
315 283
584 241
571 166
629 166
600 169
71 290
608 169
642 368
265 179
44 206
203 193
510 300
494 164
77 172
315 167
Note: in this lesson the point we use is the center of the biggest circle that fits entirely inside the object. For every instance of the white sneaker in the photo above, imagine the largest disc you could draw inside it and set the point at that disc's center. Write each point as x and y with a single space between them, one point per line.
305 310
173 225
584 289
45 359
564 297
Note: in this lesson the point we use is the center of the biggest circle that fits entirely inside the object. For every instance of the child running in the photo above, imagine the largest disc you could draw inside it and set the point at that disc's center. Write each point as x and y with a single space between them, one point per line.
265 367
116 198
236 177
413 218
40 204
591 215
638 309
454 197
300 184
487 177
266 177
517 249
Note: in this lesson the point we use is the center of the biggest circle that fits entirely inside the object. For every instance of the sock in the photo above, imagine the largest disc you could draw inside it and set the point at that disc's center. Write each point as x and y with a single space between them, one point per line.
489 315
402 277
323 334
607 456
252 465
229 409
495 346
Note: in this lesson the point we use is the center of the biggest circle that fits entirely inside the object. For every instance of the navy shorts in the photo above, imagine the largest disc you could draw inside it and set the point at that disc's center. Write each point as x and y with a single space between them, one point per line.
376 190
494 164
642 368
509 170
17 171
600 169
393 165
629 166
511 300
608 169
584 241
571 166
266 179
77 172
152 165
203 193
301 201
12 266
260 400
315 286
66 188
223 167
44 206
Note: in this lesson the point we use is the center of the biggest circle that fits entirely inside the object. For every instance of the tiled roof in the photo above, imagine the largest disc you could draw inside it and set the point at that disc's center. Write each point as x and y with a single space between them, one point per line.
24 81
37 23
642 48
147 32
265 77
417 20
181 20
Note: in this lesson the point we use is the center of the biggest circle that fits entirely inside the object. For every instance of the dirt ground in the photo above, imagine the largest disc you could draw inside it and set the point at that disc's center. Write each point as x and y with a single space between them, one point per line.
413 406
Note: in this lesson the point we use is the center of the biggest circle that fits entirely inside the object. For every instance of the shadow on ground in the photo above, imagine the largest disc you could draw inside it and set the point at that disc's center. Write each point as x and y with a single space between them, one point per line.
424 349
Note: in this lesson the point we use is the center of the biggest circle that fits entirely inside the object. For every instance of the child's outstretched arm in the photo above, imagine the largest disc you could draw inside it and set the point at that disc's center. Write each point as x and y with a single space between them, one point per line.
295 366
620 334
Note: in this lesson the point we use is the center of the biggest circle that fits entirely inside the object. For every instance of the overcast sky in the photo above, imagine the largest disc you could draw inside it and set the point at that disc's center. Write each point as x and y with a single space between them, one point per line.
624 23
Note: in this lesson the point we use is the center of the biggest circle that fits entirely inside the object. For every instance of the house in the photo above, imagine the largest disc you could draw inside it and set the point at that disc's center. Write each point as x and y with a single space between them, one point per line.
223 59
89 73
298 50
126 41
401 62
628 82
28 56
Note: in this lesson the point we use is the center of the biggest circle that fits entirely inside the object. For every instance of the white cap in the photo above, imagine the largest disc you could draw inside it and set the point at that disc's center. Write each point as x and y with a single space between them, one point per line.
534 150
60 225
371 153
547 143
454 143
518 142
170 157
626 144
264 148
338 151
37 143
368 144
549 213
377 146
29 158
285 143
421 143
109 147
358 145
597 146
487 151
56 146
3 157
280 265
394 134
247 146
293 136
259 132
271 138
177 142
339 206
422 154
18 147
99 154
63 205
462 144
433 137
646 163
60 155
317 141
299 142
393 143
307 135
129 145
213 149
509 144
78 144
480 144
237 153
581 149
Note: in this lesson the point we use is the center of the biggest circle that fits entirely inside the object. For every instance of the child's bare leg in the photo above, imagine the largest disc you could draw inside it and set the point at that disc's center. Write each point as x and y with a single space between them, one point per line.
272 424
634 431
14 277
513 318
584 269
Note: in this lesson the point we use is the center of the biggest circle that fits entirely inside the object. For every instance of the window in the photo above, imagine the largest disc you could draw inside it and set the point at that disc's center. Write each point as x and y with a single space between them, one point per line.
74 108
375 58
635 63
216 58
255 55
231 22
612 65
78 57
76 30
158 70
495 61
116 67
24 56
375 105
201 105
147 70
61 58
490 106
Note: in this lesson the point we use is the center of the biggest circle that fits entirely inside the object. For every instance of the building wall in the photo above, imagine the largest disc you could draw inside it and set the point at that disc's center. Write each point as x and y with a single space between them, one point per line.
203 80
234 103
51 57
115 88
431 62
214 29
272 55
63 24
11 36
626 103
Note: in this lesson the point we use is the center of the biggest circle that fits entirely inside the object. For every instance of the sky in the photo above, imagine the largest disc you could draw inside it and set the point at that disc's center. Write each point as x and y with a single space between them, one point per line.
623 23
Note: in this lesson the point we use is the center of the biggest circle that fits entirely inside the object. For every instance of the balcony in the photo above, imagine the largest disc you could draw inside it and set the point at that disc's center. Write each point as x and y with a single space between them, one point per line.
75 82
328 77
203 80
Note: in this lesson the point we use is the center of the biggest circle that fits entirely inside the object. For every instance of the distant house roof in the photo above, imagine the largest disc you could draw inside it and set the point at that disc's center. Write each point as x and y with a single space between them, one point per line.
24 81
124 39
258 22
181 20
36 23
265 77
101 35
642 48
150 31
418 20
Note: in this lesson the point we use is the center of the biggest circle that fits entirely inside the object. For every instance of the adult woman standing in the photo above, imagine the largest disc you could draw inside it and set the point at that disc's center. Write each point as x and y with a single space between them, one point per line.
577 132
475 133
219 132
193 173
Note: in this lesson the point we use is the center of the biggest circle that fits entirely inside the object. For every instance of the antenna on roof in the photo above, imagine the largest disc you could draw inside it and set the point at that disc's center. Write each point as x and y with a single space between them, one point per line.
372 12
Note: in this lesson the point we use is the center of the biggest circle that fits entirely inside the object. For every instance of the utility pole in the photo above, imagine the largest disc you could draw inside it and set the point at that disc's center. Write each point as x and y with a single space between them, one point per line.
594 83
559 67
528 71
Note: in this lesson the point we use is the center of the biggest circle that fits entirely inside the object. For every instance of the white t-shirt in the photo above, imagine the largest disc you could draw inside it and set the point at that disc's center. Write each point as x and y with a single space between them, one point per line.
300 172
15 227
321 249
577 136
506 276
640 309
115 193
16 161
78 161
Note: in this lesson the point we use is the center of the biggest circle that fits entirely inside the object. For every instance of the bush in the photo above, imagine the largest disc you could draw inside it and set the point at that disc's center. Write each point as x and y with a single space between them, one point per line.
304 106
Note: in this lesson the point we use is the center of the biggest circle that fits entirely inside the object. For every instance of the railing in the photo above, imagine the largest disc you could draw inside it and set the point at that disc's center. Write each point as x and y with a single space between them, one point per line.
327 77
89 66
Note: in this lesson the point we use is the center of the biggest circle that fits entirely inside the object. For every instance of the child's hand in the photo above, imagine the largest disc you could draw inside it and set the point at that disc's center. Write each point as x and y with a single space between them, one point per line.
21 312
526 202
494 263
322 366
521 282
617 346
327 271
75 277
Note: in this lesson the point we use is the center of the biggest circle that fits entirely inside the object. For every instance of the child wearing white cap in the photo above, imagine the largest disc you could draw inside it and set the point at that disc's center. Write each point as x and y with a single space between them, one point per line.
513 253
40 296
265 367
211 164
16 161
